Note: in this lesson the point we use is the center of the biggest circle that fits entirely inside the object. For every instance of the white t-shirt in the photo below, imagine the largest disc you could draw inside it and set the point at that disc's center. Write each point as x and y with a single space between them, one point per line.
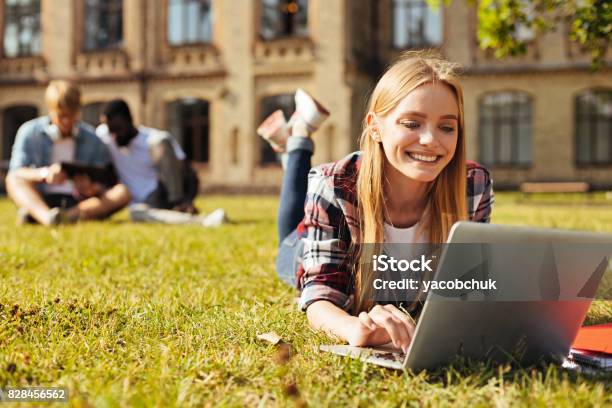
62 151
395 235
133 162
403 237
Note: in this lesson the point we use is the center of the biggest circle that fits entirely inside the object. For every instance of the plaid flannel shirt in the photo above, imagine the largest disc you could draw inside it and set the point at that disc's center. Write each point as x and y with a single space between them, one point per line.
331 220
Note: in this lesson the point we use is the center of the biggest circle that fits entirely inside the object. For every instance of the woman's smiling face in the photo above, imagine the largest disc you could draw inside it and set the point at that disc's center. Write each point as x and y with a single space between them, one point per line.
419 136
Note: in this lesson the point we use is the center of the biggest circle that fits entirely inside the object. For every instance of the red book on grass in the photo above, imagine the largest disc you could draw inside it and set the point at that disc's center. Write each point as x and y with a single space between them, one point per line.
596 338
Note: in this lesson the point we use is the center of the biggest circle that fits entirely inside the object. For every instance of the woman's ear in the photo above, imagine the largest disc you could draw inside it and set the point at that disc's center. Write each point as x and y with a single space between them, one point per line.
374 125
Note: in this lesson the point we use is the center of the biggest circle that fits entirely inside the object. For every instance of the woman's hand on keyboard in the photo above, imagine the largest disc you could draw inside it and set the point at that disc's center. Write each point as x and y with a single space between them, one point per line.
381 325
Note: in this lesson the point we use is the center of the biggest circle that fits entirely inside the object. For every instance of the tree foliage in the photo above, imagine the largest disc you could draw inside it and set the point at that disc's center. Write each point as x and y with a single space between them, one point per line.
507 26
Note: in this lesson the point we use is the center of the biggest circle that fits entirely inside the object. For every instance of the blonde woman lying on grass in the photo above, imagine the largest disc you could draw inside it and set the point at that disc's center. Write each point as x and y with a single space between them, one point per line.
409 183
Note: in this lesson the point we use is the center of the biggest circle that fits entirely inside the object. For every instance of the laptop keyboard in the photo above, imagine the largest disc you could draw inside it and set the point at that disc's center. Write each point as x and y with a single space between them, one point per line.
395 357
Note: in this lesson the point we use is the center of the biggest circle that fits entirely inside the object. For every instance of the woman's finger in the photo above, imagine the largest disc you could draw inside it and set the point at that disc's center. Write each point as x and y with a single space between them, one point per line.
405 318
366 320
394 327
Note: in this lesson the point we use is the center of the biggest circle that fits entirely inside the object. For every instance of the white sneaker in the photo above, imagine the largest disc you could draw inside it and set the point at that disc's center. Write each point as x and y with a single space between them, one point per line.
310 110
274 130
138 212
215 218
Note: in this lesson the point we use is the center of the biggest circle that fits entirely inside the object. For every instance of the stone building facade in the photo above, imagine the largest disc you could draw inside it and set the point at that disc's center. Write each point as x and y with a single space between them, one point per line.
210 70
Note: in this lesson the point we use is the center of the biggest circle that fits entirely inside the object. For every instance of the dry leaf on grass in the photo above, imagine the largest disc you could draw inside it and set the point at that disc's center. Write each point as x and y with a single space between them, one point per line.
283 350
283 354
271 338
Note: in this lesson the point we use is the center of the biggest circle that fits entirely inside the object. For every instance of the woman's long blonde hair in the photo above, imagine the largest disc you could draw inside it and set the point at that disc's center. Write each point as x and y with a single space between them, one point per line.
447 202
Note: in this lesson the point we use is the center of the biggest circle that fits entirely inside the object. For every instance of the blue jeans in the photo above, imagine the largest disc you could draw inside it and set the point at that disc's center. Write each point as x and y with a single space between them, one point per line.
291 208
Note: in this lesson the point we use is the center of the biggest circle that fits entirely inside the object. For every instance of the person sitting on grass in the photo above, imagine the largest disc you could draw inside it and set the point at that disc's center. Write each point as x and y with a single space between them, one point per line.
154 168
409 183
36 182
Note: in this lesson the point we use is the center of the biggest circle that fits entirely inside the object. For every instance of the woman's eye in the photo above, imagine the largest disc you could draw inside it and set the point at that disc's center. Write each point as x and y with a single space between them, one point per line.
447 129
410 124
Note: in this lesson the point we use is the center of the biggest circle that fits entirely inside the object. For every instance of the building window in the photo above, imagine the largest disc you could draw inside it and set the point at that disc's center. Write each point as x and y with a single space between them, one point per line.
594 127
12 118
189 124
505 129
21 28
284 18
269 104
91 112
416 24
189 22
103 24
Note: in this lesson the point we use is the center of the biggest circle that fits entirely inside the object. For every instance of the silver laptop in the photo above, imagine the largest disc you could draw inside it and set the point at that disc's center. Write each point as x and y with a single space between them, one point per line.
546 280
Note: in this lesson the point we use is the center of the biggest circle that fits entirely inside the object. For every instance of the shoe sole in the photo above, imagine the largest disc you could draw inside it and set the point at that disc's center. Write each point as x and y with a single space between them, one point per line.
313 119
274 130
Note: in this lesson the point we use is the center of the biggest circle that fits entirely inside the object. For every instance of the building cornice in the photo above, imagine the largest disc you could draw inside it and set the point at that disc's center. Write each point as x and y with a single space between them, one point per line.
160 76
533 69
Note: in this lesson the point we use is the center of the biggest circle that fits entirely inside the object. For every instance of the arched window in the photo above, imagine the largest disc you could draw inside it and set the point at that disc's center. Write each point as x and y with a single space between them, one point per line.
91 112
12 118
269 104
505 132
594 127
188 122
416 24
283 18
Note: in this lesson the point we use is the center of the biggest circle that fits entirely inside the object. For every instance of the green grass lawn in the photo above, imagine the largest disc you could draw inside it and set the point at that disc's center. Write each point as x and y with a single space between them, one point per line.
146 315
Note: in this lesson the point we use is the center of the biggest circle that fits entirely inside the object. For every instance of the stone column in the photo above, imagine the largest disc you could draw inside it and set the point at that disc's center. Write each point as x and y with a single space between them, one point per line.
234 115
58 36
